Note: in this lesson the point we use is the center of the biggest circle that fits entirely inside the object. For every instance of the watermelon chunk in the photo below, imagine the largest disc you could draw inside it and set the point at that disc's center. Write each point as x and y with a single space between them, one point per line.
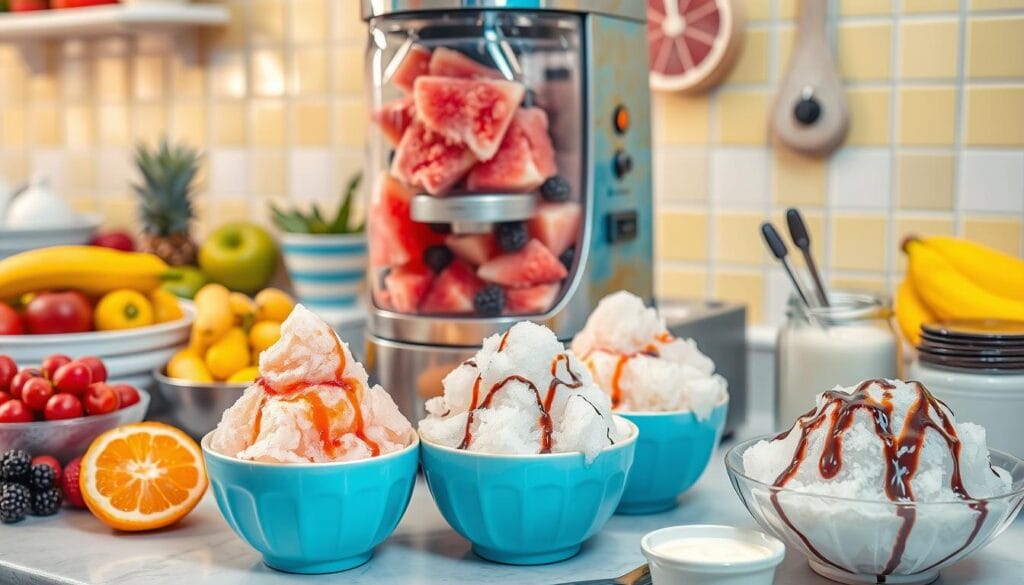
532 300
453 290
415 63
523 161
448 63
473 112
394 238
406 287
556 225
426 160
394 117
473 248
532 265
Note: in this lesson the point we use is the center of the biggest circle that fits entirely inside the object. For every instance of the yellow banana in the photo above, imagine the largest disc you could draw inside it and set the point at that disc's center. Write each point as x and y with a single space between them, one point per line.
92 270
911 313
990 269
951 295
213 317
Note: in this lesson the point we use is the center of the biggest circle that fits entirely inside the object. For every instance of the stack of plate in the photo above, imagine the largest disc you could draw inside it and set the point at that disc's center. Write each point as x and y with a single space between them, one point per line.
130 355
16 240
983 345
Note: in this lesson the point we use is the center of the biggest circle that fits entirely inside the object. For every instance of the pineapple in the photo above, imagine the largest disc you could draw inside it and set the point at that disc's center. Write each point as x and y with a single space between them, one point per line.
165 201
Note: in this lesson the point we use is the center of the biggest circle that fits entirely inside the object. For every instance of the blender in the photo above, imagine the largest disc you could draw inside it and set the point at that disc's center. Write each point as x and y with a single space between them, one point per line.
510 163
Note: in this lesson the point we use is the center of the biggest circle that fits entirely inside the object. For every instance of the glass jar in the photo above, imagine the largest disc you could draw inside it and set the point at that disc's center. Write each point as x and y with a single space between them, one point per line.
820 348
476 160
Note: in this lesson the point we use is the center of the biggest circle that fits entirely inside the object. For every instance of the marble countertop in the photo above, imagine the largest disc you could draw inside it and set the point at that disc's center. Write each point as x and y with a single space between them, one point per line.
75 548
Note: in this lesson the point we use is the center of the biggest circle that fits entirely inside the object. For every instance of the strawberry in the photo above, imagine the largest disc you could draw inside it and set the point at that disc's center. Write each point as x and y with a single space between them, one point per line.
72 491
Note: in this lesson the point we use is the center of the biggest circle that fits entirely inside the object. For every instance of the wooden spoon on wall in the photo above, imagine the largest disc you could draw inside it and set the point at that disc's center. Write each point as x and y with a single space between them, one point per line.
810 113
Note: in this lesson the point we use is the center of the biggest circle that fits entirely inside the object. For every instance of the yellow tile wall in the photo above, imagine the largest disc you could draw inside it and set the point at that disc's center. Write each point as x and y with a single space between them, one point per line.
935 100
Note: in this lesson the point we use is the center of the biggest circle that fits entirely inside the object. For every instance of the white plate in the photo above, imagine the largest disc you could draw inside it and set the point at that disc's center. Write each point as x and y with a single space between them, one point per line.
103 344
17 240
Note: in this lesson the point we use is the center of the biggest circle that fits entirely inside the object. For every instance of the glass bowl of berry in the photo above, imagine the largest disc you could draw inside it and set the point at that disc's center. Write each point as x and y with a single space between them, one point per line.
58 408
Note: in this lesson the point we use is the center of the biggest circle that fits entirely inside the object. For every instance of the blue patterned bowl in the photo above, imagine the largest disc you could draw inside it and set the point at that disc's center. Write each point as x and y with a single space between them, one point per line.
673 451
528 509
315 517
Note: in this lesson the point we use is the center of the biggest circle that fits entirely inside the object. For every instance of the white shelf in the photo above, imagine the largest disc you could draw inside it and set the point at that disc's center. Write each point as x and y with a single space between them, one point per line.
114 19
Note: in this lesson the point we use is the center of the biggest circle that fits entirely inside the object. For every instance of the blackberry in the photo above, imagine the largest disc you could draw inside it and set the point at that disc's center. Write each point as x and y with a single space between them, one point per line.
15 500
14 466
41 477
555 189
47 502
441 228
566 257
437 258
512 235
489 301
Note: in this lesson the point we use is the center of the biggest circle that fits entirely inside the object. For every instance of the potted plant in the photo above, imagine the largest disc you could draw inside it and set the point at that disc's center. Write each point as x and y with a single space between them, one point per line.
325 258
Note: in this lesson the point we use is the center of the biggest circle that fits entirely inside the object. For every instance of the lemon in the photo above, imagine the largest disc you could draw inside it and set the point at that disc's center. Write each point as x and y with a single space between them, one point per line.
245 375
243 308
188 365
264 334
273 305
165 306
229 354
123 309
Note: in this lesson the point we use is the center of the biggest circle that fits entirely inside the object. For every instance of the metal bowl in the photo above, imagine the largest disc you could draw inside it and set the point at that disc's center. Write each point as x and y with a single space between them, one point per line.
195 407
69 438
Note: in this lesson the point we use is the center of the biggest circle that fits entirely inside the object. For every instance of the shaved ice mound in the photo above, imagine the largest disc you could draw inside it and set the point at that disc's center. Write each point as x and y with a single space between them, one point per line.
629 352
522 393
311 404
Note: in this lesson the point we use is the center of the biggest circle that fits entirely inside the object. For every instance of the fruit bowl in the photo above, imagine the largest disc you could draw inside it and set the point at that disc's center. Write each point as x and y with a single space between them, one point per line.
195 407
857 540
67 439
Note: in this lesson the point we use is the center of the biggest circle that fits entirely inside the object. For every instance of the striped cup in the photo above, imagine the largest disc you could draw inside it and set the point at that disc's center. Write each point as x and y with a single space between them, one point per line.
326 270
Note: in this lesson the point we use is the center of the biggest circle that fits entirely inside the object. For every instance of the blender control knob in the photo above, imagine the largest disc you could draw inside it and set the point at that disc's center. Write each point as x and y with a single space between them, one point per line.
622 163
807 110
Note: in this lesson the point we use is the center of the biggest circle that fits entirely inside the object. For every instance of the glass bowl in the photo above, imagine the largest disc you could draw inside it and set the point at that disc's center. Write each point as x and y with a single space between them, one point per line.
855 541
69 438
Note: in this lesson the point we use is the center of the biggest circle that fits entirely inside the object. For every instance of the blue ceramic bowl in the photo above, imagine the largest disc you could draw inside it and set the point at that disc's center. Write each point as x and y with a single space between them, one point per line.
528 509
673 451
315 517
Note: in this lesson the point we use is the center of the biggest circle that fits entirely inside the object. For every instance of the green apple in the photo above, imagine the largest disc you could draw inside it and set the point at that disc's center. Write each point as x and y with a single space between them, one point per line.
239 255
184 281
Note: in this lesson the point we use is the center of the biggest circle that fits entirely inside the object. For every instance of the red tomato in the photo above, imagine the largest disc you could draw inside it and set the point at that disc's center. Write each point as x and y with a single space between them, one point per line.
14 411
114 240
63 312
7 371
10 321
73 378
101 399
36 393
53 363
126 394
26 5
62 406
20 378
95 365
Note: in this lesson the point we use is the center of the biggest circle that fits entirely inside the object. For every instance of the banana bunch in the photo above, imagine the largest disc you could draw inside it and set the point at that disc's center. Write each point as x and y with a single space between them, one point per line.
92 270
950 278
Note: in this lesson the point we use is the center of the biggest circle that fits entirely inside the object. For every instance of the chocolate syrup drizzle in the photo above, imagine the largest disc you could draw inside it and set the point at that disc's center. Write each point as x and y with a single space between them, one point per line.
651 350
902 454
543 404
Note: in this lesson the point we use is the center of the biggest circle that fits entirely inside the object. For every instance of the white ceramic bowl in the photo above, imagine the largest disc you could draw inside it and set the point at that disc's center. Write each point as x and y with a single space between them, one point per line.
16 240
666 570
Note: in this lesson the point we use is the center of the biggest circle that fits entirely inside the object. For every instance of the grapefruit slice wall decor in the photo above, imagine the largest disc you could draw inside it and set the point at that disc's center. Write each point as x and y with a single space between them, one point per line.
692 43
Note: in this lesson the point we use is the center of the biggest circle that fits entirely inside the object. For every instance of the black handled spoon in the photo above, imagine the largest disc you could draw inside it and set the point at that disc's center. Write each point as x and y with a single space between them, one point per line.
778 249
802 240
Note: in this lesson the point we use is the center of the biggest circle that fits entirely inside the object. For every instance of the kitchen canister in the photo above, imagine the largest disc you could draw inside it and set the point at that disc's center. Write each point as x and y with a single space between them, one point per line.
977 369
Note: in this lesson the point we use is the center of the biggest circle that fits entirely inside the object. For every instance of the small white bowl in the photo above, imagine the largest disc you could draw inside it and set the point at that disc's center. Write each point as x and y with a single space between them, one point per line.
666 570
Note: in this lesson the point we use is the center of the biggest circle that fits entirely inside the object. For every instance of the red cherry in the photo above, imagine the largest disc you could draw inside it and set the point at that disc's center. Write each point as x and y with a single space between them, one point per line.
36 392
7 371
126 394
52 462
20 378
73 378
95 365
62 406
100 398
4 397
53 363
15 411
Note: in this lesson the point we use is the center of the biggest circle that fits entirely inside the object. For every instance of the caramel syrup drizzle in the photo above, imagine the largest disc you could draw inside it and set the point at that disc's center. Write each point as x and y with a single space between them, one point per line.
651 350
902 454
320 413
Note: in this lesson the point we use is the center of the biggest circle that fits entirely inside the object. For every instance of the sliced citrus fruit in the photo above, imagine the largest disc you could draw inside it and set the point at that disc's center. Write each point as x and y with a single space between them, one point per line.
142 476
692 43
